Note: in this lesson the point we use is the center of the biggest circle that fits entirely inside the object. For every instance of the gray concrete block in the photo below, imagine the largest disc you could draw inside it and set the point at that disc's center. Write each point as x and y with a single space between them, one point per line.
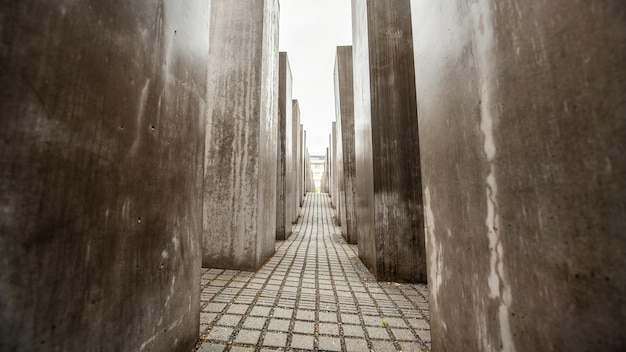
310 183
241 139
295 147
389 198
284 187
522 136
301 157
344 104
324 184
103 107
334 201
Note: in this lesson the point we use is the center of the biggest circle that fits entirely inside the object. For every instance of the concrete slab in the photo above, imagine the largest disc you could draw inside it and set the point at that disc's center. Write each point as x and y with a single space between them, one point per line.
523 146
344 105
295 150
389 194
284 175
103 109
334 188
241 140
301 176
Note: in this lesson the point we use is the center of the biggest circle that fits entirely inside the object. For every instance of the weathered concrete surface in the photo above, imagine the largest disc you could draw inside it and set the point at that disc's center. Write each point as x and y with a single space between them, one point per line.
333 170
310 183
285 160
389 208
295 183
301 157
103 107
324 184
344 105
339 188
523 135
241 139
307 164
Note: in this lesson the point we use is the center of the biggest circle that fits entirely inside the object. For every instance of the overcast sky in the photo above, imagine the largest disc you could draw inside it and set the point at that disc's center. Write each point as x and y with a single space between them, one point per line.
310 31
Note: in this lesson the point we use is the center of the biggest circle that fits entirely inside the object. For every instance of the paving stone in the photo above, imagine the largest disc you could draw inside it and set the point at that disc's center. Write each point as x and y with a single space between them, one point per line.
353 330
305 315
396 322
304 327
241 349
260 311
377 333
423 334
419 324
412 347
237 309
254 323
403 334
275 339
328 329
383 346
372 320
220 333
207 318
215 307
279 325
229 320
211 347
328 317
300 341
329 343
283 313
249 337
350 319
356 345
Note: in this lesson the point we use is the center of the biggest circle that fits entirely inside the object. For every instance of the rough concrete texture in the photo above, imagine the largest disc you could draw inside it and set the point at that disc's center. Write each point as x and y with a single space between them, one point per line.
339 188
334 172
523 135
324 184
310 183
103 107
301 176
285 160
389 203
307 165
241 139
295 183
344 105
330 165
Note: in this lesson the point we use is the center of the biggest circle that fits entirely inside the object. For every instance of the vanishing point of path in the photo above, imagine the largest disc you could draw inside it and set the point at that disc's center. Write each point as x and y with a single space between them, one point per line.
313 294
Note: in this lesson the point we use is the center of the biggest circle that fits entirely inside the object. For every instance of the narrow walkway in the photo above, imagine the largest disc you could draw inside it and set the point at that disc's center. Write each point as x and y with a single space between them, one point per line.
313 294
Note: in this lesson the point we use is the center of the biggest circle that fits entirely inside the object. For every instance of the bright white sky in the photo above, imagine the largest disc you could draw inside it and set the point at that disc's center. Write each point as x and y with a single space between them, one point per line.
310 31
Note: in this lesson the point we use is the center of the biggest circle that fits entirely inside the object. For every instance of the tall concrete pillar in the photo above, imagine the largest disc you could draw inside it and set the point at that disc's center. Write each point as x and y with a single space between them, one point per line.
333 170
284 176
295 184
301 157
389 197
305 152
325 182
103 109
344 105
241 140
523 144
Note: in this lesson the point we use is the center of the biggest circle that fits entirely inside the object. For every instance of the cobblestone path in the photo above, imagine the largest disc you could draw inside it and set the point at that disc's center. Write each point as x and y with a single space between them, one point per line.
313 294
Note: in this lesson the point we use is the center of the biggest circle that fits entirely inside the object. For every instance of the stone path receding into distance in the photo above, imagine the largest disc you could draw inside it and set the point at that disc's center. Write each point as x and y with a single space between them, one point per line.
314 294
